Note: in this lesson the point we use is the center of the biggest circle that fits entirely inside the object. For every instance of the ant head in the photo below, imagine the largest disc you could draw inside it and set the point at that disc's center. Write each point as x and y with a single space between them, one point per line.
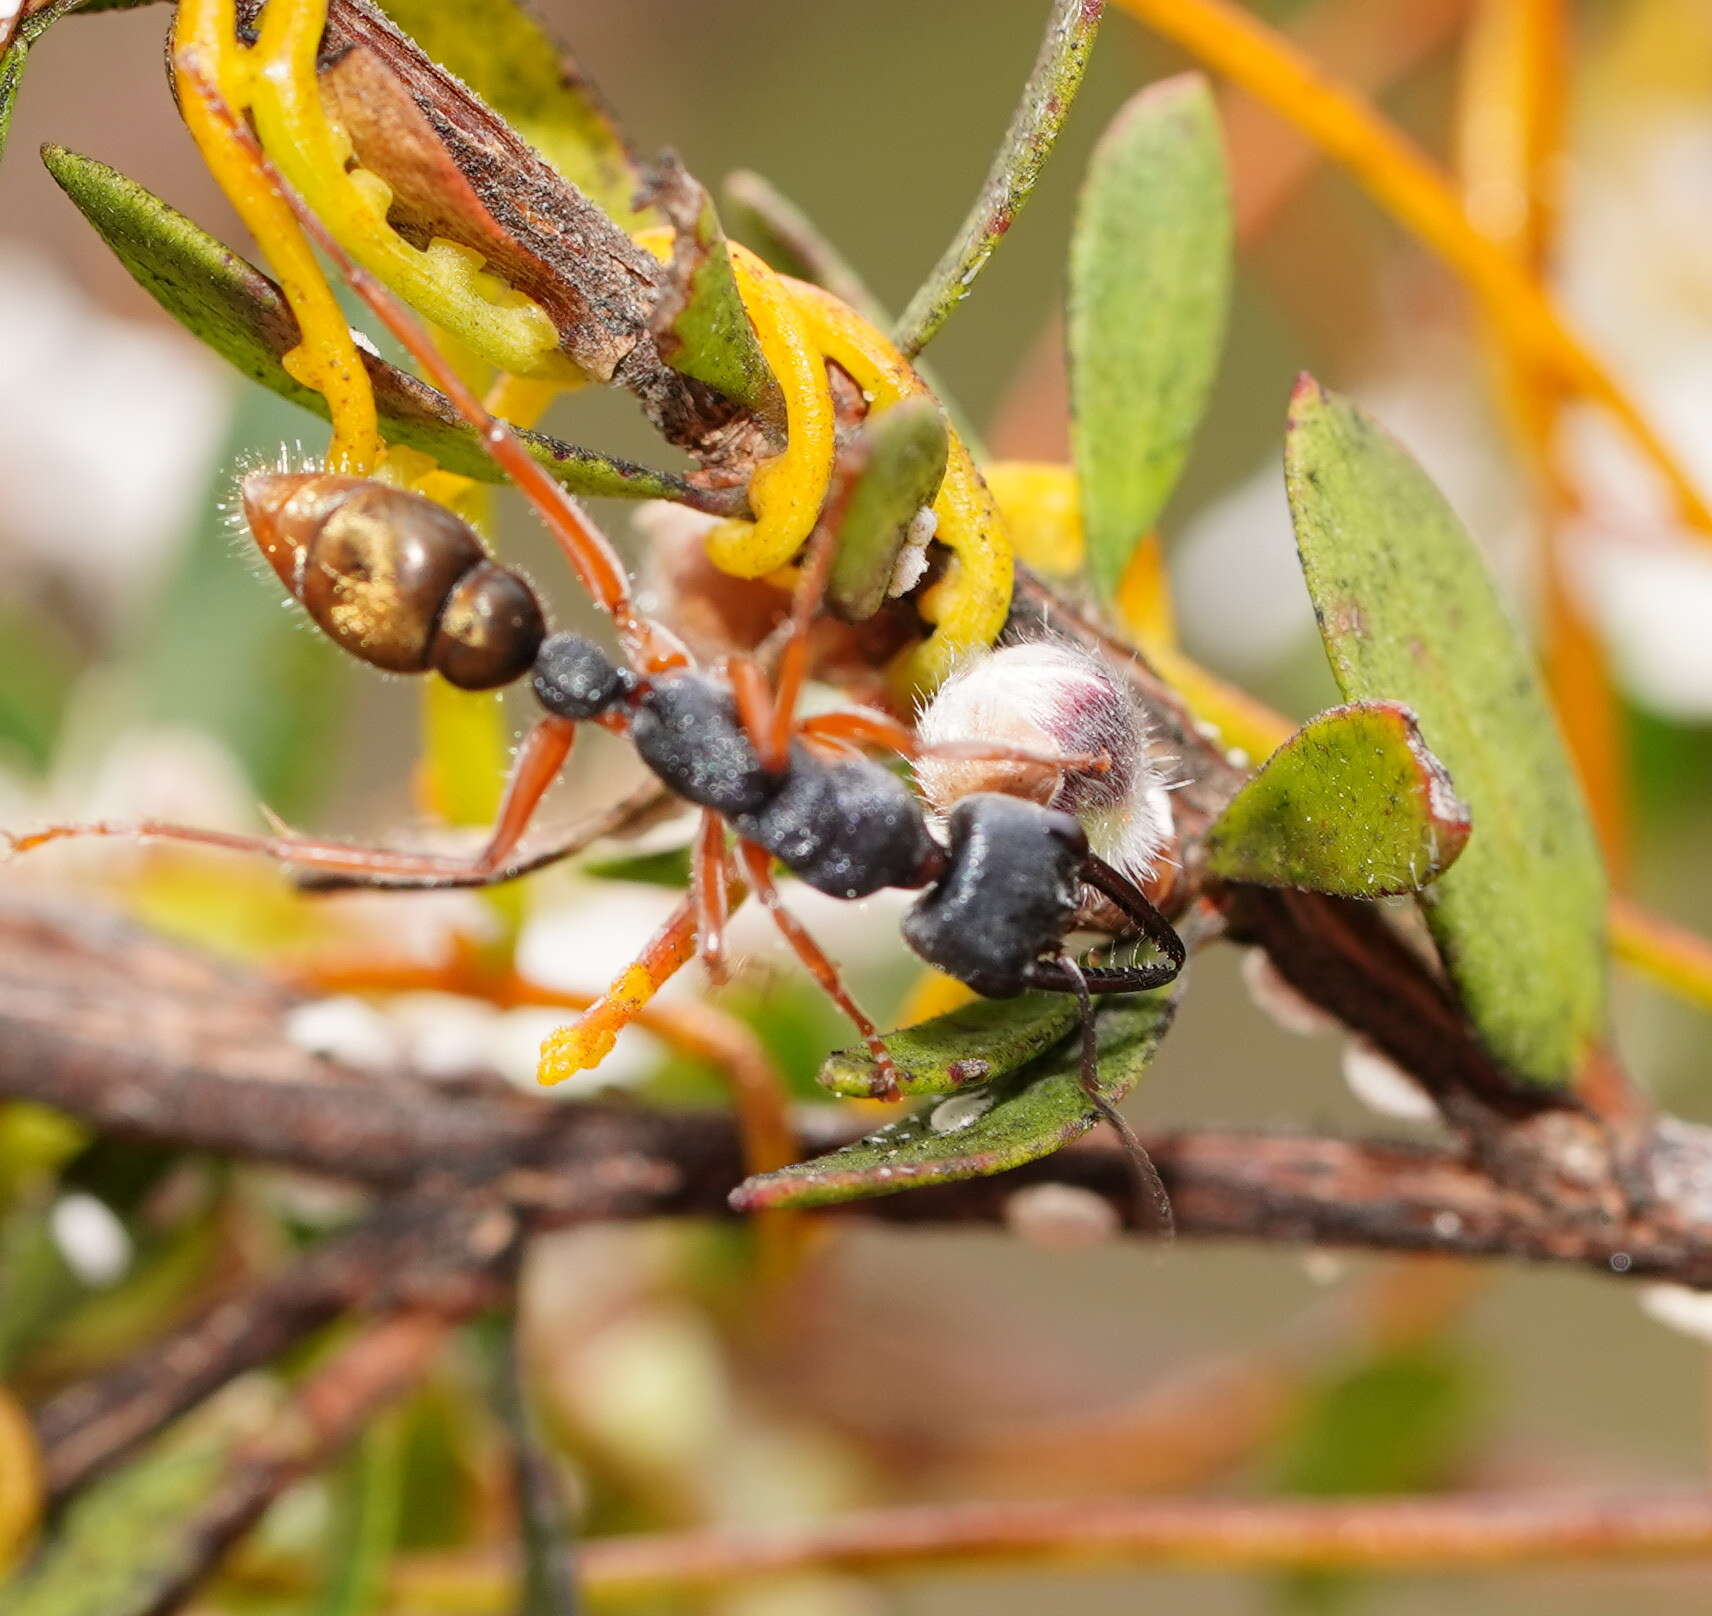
574 678
1007 896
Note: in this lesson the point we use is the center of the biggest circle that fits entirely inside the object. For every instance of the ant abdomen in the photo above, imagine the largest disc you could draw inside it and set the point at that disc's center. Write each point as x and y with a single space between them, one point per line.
395 578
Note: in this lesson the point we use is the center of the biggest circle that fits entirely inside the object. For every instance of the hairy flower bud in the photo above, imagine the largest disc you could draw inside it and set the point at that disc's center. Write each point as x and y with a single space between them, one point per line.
1051 698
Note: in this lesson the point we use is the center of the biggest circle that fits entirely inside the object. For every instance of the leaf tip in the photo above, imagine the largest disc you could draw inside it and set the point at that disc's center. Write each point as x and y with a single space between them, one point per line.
1305 392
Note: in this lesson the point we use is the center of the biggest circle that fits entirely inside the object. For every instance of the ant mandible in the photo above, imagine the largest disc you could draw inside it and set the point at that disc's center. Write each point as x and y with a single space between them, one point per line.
398 581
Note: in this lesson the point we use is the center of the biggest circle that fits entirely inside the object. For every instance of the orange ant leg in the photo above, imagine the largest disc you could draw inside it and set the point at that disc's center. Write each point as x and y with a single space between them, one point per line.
538 762
806 598
590 553
757 867
757 712
587 1041
710 877
350 863
876 729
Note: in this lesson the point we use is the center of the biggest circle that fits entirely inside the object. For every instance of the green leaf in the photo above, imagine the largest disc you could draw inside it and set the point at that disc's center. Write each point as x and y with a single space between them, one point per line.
1014 1119
39 665
703 329
234 308
1408 613
666 867
1040 113
1353 803
37 1285
975 1043
502 53
1150 271
905 449
1394 1423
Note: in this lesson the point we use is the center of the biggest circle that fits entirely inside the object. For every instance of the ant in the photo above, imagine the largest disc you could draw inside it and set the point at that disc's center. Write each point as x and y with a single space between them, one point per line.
401 583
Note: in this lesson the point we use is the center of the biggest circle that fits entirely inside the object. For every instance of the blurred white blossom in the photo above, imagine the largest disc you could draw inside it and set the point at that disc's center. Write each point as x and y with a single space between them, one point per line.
112 426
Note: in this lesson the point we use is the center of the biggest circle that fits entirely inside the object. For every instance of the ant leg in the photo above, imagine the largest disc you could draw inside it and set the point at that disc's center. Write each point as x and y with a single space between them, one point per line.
877 729
757 712
806 598
709 883
587 1041
1153 1204
542 755
757 867
539 760
590 553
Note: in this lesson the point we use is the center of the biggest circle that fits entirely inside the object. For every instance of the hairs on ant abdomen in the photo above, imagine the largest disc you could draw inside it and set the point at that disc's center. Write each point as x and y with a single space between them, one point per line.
399 582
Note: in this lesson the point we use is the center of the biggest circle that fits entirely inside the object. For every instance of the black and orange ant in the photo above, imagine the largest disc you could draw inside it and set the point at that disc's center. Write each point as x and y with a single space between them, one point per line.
399 582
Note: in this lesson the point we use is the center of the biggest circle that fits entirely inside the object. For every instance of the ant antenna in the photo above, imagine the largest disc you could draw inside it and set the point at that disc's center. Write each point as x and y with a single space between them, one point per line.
1153 1204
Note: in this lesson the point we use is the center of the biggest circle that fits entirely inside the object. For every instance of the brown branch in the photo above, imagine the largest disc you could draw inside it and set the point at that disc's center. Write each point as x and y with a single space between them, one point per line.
555 1164
1440 1535
328 1411
430 1256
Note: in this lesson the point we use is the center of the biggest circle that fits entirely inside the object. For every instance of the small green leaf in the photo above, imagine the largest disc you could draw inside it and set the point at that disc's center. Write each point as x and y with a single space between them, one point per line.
975 1043
1353 804
905 449
39 665
1150 270
1040 113
1399 1421
234 308
703 329
502 53
1014 1119
1408 613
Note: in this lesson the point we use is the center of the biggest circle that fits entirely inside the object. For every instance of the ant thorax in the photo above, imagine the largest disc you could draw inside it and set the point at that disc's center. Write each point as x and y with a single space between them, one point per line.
1047 697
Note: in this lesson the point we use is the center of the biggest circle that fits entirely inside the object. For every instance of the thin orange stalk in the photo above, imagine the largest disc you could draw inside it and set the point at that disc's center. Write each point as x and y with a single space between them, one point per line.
1418 194
1510 127
1671 955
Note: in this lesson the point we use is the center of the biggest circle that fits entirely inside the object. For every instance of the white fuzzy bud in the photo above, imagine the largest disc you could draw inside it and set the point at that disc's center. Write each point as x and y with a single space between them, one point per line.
1046 697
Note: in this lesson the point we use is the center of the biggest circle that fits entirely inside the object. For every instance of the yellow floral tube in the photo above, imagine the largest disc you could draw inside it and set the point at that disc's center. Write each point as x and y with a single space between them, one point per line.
786 492
444 282
206 52
968 605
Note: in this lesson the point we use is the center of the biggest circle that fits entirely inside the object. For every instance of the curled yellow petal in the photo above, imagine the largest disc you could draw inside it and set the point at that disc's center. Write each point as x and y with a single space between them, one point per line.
968 605
445 281
206 51
786 492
